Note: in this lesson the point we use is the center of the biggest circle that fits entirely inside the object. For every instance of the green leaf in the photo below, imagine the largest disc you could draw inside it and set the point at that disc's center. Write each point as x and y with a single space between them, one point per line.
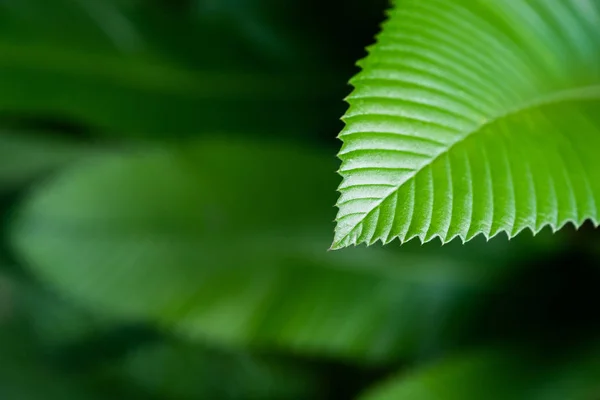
25 156
473 118
82 24
181 371
105 66
137 97
225 240
57 322
498 374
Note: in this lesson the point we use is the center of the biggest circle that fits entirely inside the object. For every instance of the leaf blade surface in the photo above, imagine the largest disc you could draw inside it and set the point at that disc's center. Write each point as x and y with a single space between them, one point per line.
472 118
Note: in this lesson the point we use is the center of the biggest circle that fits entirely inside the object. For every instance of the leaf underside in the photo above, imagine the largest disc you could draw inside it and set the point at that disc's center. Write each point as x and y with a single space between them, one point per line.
473 117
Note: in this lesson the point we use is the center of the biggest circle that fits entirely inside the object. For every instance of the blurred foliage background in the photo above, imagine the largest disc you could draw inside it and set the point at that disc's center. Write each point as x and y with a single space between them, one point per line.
167 181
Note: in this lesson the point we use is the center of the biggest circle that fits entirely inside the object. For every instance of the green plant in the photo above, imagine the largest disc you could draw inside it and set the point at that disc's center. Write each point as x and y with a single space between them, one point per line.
167 176
473 118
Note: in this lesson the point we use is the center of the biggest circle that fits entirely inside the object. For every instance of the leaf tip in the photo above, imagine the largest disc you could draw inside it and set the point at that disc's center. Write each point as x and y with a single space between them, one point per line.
335 246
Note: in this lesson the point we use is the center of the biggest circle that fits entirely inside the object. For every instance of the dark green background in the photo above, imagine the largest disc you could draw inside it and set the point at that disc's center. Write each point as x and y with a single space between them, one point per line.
167 181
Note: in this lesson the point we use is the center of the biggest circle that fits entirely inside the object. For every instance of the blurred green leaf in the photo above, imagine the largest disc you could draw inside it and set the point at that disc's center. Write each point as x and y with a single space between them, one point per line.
225 240
180 371
146 98
498 374
81 24
104 65
55 321
25 156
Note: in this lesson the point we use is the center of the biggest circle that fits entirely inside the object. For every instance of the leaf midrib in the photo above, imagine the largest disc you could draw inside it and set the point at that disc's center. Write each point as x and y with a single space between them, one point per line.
581 93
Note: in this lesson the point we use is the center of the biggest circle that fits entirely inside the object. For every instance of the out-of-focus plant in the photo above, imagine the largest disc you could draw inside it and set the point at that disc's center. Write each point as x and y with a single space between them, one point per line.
167 182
